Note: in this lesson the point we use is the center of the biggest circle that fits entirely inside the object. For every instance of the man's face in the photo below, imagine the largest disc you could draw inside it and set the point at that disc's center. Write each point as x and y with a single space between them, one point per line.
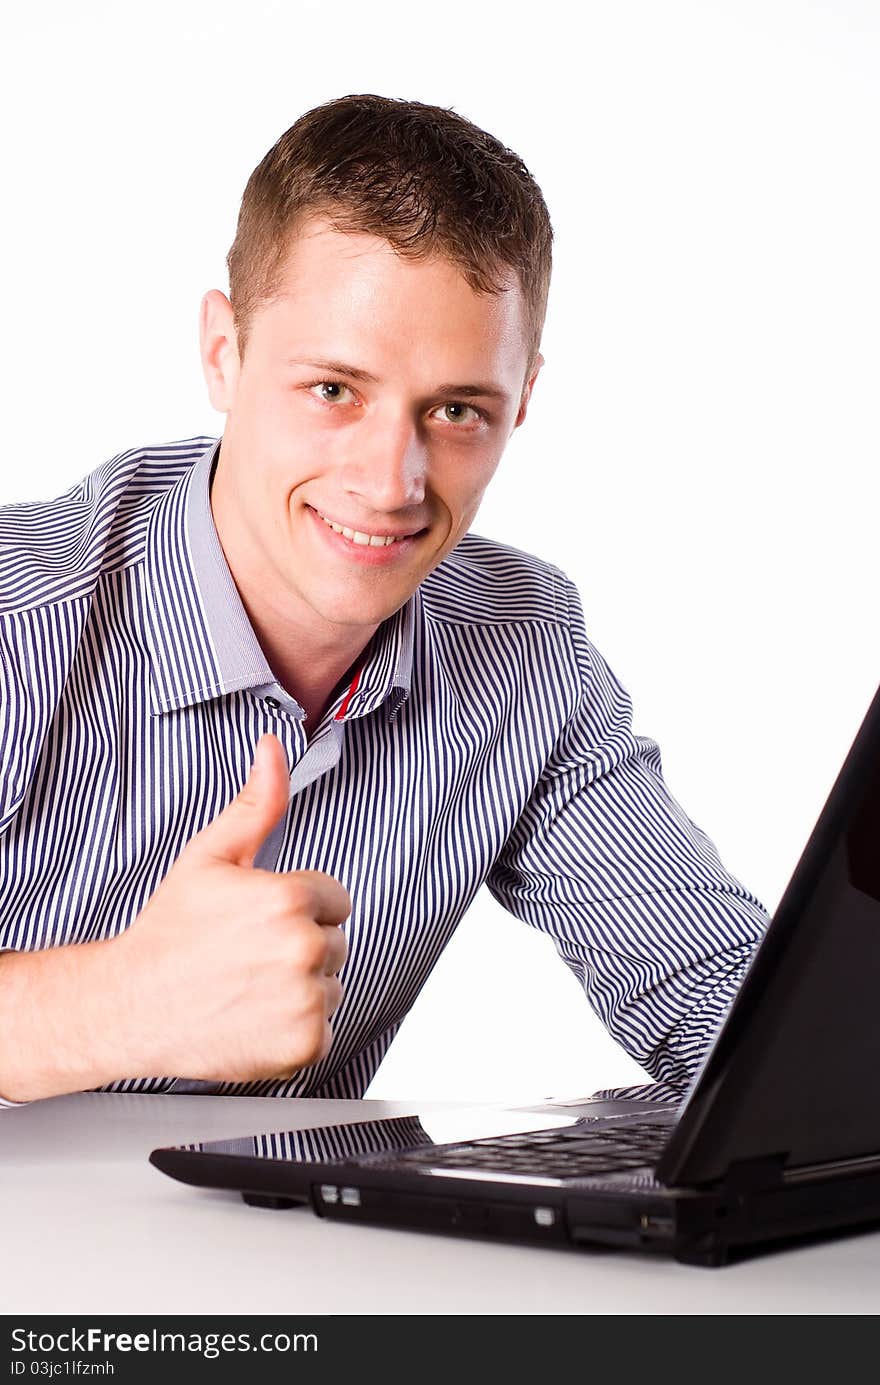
406 453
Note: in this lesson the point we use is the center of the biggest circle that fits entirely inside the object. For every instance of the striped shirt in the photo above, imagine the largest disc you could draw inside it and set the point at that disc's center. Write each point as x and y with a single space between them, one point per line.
483 740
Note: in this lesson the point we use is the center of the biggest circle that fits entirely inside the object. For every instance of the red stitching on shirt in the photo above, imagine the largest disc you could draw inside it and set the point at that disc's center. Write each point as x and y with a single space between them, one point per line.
348 696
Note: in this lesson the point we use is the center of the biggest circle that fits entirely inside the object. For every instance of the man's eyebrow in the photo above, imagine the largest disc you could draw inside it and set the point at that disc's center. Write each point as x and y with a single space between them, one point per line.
355 373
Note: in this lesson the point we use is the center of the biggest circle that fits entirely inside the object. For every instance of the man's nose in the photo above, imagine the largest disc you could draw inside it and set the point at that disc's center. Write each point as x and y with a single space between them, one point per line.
388 469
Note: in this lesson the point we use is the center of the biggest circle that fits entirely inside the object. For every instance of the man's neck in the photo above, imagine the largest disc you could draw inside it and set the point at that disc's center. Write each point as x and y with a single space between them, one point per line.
312 670
314 689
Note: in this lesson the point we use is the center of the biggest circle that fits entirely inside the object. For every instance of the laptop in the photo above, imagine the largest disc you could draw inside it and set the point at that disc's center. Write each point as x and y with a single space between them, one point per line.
776 1141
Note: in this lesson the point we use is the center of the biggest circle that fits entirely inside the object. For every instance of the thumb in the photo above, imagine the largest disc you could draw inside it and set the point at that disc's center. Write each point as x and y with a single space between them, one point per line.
237 834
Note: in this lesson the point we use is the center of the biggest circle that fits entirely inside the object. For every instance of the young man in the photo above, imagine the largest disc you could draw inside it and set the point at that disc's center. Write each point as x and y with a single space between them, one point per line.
429 711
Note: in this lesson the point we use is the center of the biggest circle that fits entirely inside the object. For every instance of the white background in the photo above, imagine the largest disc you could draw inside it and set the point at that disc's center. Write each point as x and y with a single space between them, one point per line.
701 449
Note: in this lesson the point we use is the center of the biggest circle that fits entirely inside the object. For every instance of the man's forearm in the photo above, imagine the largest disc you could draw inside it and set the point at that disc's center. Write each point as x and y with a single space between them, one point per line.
61 1020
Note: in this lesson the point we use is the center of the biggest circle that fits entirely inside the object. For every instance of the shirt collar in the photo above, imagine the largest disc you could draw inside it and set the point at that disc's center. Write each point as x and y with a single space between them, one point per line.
201 642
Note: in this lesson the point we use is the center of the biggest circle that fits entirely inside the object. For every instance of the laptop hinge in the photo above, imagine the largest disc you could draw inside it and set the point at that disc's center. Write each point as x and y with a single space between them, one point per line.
748 1175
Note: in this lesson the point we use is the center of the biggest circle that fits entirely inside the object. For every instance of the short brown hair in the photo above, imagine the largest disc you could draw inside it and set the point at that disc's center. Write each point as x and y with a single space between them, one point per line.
422 177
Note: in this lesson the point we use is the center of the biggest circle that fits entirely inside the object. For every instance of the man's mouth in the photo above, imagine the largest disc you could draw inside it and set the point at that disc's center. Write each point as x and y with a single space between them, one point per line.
365 538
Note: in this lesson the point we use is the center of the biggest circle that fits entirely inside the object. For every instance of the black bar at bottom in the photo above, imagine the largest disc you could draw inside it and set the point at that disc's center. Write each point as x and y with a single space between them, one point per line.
130 1349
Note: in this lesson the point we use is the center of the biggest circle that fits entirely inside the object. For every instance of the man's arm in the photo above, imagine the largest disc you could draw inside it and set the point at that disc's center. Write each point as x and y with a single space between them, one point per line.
632 891
61 1025
229 972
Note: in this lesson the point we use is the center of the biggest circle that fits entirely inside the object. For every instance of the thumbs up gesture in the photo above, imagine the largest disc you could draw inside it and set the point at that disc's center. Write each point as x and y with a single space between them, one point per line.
230 972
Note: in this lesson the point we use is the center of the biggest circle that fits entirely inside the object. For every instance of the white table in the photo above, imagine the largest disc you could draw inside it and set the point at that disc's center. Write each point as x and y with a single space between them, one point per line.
89 1226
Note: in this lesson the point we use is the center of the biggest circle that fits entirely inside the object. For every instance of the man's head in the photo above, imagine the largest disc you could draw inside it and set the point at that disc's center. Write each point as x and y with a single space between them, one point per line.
401 242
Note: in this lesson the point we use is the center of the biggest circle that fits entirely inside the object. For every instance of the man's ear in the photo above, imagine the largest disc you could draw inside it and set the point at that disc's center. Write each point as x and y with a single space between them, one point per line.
219 347
527 392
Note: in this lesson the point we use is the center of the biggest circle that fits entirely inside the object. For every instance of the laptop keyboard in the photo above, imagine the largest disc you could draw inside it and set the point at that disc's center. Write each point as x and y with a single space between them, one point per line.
577 1152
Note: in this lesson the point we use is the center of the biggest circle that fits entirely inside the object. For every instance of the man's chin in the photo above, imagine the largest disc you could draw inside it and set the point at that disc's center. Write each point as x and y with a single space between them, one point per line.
358 614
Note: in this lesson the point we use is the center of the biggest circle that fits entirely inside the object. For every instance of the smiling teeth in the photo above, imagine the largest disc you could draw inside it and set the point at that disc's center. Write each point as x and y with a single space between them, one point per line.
374 540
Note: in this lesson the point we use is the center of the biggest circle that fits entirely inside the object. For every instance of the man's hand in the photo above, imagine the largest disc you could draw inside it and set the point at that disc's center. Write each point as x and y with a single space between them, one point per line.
228 972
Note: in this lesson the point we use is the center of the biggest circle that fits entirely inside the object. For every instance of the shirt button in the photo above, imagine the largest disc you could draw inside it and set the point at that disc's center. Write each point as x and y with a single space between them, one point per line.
272 702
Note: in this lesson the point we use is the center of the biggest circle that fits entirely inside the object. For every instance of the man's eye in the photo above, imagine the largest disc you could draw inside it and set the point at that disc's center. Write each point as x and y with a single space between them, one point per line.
329 384
456 404
338 387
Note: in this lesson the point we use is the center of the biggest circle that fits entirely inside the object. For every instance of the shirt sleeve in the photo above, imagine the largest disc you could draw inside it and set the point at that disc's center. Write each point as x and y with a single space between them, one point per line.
633 893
